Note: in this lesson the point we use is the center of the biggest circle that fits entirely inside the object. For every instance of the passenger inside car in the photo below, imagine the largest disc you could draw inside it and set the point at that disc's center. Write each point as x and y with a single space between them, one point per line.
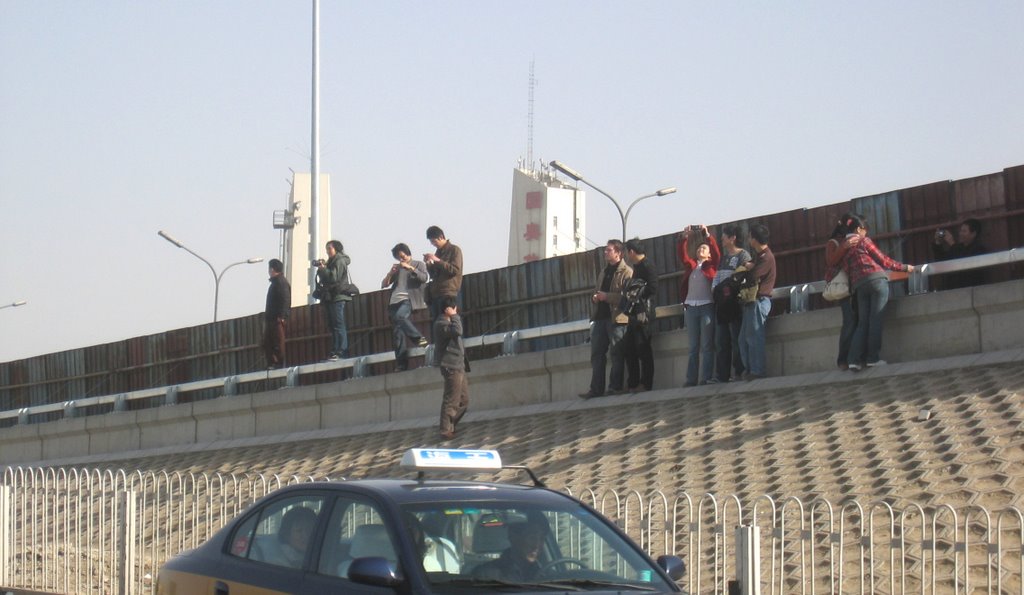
294 535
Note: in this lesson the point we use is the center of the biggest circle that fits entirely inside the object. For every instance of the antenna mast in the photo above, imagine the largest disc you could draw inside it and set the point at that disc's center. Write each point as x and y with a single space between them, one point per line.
529 123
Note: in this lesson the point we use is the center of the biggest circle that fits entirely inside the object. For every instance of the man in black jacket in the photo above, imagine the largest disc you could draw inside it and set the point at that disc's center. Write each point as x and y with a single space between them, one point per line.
968 243
637 342
279 303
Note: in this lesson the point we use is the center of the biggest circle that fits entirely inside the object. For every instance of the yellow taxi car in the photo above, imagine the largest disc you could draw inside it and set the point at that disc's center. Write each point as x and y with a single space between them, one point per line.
419 536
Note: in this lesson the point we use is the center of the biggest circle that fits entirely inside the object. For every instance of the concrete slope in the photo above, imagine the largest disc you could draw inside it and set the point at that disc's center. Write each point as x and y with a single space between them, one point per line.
834 434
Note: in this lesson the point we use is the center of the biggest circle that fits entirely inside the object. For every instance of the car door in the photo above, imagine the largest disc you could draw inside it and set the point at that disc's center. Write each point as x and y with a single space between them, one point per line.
358 527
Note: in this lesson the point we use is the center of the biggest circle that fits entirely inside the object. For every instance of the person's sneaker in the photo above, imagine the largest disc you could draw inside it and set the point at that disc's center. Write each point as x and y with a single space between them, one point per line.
422 342
616 391
880 362
589 395
333 357
854 367
711 381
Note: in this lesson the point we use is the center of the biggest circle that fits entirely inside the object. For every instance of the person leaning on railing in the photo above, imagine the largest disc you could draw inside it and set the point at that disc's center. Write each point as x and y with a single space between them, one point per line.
865 264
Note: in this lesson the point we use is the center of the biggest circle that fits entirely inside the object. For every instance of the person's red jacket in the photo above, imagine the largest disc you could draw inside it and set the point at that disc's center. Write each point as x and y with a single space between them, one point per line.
709 267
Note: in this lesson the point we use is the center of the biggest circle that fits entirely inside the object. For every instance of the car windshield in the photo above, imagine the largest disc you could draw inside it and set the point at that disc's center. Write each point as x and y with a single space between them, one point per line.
488 547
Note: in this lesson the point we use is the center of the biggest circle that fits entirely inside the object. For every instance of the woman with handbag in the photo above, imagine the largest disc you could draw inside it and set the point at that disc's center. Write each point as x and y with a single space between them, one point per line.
835 250
866 265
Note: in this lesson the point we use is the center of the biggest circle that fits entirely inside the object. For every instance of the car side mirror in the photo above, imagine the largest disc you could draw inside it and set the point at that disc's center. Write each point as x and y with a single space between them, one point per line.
374 570
673 566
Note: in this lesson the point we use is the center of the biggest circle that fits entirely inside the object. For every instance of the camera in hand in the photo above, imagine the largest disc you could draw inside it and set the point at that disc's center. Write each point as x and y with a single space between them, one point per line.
317 262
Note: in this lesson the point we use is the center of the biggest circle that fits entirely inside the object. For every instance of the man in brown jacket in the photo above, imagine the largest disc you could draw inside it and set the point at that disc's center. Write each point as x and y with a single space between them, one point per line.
608 323
445 267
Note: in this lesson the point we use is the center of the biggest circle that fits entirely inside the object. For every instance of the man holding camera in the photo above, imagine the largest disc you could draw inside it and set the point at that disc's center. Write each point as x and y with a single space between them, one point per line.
637 342
445 266
406 279
330 276
966 244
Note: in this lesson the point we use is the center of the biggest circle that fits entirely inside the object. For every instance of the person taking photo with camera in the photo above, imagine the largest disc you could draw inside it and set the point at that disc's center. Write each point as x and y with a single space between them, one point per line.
330 276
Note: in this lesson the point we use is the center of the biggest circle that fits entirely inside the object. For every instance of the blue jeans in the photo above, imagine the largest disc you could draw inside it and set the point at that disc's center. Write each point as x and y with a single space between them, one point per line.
606 336
846 332
700 328
727 350
866 345
752 335
404 330
336 324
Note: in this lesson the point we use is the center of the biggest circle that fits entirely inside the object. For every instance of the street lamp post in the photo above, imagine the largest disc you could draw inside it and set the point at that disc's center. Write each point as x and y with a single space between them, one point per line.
14 304
216 277
623 216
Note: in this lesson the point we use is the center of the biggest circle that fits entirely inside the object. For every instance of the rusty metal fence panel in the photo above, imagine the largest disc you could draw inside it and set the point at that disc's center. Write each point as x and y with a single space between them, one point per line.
108 531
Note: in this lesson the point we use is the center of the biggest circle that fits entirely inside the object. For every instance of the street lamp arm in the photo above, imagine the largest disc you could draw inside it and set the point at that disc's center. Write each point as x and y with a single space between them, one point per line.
633 204
579 178
213 271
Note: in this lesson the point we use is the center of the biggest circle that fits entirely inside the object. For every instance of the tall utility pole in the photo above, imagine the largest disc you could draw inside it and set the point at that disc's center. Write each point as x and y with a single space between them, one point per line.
314 167
529 124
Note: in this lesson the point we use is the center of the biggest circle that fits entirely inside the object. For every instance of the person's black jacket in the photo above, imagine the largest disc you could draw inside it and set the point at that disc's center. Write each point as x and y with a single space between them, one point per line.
968 278
279 298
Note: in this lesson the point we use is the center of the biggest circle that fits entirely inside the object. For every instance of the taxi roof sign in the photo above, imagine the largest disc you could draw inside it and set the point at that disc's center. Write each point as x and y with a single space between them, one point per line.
450 458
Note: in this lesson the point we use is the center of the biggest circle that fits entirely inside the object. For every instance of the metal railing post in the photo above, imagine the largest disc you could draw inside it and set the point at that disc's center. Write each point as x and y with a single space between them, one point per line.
231 386
292 378
126 538
171 396
748 559
360 369
6 533
510 343
917 282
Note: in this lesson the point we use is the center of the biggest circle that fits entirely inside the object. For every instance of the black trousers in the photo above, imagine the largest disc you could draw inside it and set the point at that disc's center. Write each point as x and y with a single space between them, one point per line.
639 356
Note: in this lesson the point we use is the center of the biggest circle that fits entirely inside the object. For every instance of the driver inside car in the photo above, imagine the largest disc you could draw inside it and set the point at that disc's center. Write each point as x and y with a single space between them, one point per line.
519 563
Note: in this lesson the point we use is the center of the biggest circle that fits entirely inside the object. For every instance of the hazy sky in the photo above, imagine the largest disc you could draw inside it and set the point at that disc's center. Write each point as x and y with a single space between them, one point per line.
121 118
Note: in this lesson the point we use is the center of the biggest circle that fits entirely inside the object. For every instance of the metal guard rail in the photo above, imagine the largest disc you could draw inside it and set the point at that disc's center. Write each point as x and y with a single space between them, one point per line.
798 295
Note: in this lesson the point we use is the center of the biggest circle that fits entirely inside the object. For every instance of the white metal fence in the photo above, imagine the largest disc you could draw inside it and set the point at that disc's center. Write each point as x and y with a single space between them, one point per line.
107 531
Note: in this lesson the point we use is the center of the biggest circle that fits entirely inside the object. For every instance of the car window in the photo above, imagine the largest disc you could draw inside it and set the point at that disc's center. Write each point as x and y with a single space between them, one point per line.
356 529
280 533
465 544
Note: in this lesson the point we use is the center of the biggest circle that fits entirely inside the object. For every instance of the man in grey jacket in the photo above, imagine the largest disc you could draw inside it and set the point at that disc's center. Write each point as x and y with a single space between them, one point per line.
406 279
450 356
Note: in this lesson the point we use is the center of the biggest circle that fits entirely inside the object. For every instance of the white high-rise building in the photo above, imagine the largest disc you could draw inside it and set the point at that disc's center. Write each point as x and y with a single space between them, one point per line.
295 237
548 217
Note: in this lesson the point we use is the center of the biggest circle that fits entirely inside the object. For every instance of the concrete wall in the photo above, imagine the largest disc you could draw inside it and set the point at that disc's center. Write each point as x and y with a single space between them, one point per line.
959 322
